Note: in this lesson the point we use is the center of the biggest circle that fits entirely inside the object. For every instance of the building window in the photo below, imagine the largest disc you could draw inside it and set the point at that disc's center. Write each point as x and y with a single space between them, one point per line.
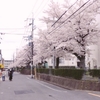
61 60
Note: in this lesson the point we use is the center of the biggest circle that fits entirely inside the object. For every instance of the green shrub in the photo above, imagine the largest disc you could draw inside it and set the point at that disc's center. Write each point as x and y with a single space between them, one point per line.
95 72
43 70
72 73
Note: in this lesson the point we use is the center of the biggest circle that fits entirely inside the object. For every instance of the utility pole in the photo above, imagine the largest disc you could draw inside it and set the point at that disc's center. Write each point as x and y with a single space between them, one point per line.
31 38
32 49
32 46
54 57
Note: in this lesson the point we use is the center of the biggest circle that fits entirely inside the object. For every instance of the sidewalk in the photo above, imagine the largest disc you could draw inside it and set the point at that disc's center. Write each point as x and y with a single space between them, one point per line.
20 88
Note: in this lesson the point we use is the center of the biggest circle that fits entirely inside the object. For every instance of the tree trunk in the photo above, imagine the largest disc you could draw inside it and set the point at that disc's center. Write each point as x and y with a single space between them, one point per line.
57 62
81 64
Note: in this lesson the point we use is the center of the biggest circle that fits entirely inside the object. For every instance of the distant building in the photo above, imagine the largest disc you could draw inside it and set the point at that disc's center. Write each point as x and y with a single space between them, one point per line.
7 63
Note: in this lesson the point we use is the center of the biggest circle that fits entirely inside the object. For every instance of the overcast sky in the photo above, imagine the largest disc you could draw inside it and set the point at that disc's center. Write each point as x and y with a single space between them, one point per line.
13 14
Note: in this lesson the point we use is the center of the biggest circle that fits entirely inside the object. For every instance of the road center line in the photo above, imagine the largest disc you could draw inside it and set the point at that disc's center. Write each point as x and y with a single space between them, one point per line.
94 94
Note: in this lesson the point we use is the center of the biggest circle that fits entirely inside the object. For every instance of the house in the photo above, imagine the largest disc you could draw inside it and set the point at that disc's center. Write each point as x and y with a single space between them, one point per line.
63 61
92 60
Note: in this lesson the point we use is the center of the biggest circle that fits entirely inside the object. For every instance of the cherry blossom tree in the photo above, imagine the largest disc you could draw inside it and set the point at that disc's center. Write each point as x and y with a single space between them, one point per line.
43 47
23 57
75 30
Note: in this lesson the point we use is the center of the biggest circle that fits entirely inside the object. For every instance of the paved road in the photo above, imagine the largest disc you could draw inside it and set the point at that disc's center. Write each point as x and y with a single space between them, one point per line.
22 87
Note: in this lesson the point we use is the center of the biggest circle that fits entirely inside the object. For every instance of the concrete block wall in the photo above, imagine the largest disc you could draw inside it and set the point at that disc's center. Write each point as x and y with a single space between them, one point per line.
69 83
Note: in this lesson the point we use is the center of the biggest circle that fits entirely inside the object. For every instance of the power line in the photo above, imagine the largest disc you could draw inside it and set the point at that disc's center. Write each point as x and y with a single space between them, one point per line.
39 6
11 33
69 16
11 28
42 8
28 17
28 29
85 8
64 13
36 1
76 11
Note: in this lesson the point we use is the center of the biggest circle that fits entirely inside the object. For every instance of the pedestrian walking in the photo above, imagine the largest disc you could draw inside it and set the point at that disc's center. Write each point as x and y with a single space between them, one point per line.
10 74
3 75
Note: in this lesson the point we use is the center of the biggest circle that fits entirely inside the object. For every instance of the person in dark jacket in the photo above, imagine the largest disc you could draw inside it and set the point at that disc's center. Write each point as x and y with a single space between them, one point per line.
10 74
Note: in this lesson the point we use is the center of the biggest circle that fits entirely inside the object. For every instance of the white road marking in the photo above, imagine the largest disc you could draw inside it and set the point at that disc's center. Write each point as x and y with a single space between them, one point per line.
48 86
51 88
94 94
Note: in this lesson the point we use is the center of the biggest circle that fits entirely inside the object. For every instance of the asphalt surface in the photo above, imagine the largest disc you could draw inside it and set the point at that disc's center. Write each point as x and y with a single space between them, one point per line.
22 87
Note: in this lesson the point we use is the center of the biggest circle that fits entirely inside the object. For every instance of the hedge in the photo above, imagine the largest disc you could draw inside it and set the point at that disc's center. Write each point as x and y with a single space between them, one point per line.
72 73
94 72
